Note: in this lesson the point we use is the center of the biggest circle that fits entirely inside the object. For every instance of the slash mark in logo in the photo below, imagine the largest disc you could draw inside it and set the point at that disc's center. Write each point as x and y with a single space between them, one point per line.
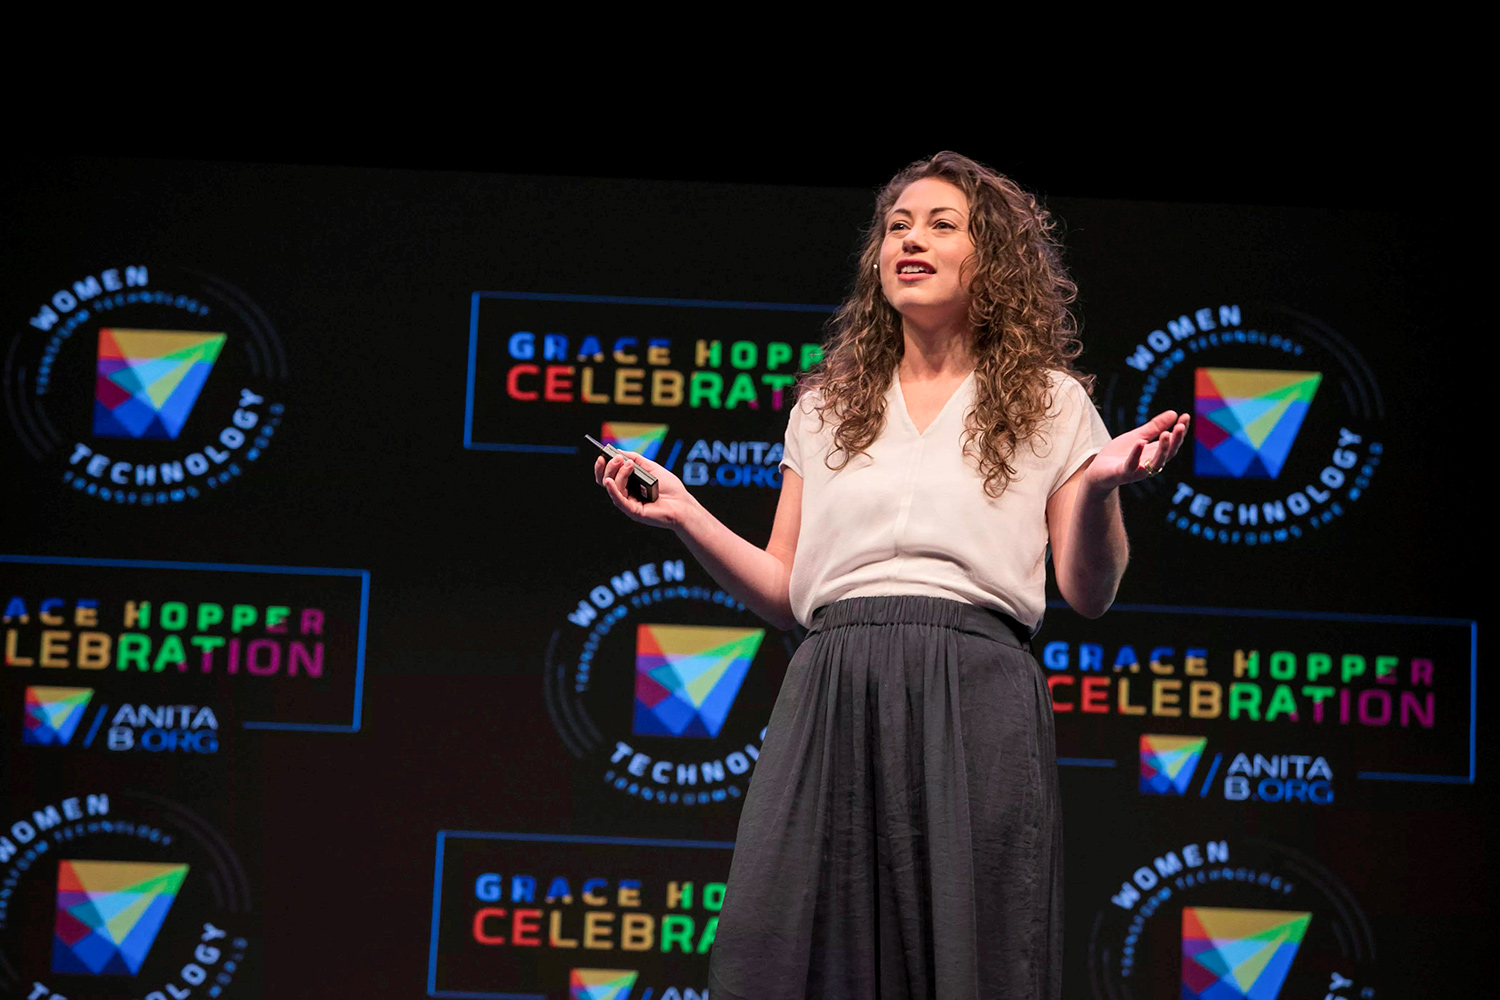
600 984
108 914
1230 954
1168 762
687 677
52 714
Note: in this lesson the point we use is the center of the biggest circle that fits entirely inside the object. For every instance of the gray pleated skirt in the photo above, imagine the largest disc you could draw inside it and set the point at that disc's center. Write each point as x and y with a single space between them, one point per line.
901 838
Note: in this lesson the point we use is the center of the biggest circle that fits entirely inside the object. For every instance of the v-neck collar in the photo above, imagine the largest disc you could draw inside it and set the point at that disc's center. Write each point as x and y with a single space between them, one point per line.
911 424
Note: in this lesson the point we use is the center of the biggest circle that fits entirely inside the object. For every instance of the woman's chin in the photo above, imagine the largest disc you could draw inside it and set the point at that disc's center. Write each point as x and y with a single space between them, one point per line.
931 311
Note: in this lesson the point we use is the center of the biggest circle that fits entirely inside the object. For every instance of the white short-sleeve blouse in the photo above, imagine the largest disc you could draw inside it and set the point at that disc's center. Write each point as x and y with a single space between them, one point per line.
910 515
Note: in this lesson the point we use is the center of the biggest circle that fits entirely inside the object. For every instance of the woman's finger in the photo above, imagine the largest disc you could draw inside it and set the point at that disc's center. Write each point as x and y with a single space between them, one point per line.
1178 436
1161 422
641 462
599 464
1163 452
1147 464
618 495
622 482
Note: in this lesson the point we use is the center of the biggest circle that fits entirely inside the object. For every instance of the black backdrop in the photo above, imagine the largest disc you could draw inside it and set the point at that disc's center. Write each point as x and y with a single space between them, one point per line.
450 709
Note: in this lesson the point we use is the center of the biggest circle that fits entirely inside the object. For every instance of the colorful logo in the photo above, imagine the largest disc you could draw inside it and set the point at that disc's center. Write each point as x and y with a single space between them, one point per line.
145 385
149 380
687 677
1229 920
1238 954
643 439
672 714
109 912
53 714
1168 762
138 914
600 984
1274 459
1246 419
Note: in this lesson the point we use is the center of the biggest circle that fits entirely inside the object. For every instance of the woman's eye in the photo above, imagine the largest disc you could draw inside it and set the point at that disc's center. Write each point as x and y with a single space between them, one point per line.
897 225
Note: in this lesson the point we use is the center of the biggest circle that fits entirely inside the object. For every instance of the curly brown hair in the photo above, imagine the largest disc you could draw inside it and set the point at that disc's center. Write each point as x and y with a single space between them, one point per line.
1019 298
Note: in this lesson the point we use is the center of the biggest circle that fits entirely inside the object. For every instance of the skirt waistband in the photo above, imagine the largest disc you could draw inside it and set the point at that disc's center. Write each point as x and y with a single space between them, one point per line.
914 610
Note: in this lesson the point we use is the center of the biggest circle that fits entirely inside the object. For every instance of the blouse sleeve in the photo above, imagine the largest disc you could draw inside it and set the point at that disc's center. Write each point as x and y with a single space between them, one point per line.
1077 430
791 449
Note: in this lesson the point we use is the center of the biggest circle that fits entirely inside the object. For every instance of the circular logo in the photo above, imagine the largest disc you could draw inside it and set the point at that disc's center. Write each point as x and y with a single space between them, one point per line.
662 686
1286 422
145 385
1230 919
106 895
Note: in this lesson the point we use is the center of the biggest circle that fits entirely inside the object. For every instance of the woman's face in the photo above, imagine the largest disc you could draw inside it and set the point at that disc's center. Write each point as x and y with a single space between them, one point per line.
923 255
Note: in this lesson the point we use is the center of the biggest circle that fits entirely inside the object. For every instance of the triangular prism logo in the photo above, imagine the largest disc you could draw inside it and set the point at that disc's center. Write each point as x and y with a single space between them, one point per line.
148 380
52 714
108 914
687 677
1168 762
643 439
1245 420
1238 954
600 984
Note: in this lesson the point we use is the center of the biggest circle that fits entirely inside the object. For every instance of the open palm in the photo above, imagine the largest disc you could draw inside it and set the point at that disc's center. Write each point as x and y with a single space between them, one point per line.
1139 453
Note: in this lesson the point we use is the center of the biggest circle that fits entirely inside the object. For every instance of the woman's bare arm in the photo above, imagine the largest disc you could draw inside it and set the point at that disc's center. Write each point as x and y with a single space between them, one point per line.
761 578
1089 548
1084 525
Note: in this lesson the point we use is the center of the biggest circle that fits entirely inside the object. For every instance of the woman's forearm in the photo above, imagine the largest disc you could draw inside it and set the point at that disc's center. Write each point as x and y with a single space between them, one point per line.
1091 554
756 577
1096 553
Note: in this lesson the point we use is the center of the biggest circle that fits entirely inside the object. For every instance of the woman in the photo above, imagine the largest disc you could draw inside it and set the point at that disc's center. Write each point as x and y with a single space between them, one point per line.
901 836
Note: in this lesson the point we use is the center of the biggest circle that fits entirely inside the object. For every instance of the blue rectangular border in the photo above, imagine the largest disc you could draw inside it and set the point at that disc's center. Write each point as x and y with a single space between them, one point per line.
617 300
1334 616
534 838
364 615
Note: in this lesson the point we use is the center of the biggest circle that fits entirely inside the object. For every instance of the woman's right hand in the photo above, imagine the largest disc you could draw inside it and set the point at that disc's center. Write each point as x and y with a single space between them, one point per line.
672 504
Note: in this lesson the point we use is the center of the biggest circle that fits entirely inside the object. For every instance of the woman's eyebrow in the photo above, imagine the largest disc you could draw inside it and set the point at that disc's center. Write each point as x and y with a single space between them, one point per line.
934 211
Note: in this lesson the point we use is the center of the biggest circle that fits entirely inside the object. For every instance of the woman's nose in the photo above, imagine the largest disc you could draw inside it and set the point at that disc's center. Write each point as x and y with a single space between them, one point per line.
911 243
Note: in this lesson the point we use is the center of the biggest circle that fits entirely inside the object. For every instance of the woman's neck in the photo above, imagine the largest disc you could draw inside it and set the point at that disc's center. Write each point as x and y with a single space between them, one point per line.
936 352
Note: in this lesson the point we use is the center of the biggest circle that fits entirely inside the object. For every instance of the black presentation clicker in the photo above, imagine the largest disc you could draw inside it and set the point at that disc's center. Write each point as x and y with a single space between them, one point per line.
642 483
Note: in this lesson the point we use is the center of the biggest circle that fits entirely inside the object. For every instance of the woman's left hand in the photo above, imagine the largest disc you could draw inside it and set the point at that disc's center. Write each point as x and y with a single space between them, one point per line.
1140 453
